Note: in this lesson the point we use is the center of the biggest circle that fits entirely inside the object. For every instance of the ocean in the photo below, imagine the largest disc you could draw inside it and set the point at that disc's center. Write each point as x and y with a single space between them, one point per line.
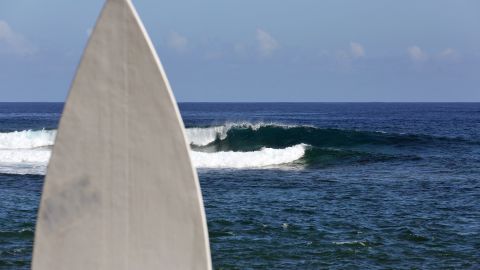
296 185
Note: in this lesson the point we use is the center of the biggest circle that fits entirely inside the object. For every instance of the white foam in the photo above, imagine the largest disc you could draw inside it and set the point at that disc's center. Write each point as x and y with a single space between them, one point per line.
265 157
25 152
25 156
258 125
204 136
27 139
24 161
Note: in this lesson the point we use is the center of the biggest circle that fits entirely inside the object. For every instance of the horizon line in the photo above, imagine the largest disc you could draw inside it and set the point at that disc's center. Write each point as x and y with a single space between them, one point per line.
276 101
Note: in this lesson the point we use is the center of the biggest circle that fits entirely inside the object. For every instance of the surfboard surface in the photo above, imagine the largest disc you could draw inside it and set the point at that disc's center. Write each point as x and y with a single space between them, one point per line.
120 190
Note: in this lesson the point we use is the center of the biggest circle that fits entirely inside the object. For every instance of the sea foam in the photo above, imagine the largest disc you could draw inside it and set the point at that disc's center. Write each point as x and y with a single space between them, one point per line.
24 161
25 152
27 139
255 159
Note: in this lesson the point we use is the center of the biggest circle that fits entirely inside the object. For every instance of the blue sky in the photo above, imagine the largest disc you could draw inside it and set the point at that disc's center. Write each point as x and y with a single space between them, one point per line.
261 50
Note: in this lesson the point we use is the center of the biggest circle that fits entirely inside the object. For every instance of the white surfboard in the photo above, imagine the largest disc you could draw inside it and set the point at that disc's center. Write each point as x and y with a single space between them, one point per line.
120 191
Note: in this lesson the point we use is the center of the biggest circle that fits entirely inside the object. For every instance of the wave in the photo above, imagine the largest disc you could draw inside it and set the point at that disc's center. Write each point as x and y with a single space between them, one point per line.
239 145
264 157
246 137
251 137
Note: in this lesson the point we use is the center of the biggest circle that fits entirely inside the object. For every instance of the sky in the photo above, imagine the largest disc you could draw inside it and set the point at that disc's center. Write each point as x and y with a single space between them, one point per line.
261 50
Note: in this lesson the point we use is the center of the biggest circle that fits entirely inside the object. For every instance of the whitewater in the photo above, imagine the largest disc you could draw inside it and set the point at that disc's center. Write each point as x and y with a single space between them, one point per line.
28 151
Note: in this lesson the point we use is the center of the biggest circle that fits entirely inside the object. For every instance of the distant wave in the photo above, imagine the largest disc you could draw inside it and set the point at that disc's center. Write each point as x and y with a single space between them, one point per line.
241 145
249 137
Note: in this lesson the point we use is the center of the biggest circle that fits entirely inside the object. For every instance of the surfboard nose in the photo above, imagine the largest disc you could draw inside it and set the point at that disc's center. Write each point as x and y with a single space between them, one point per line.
120 191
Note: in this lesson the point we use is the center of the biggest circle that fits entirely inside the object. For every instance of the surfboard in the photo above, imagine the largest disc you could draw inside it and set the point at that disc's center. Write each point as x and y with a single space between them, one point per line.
120 190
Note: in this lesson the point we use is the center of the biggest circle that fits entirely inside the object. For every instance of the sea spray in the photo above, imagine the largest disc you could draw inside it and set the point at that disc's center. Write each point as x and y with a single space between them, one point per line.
203 136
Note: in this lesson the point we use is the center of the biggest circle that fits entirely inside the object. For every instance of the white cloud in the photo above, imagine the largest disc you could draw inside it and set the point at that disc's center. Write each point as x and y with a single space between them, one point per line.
417 54
89 32
177 42
344 58
12 42
357 50
449 54
266 43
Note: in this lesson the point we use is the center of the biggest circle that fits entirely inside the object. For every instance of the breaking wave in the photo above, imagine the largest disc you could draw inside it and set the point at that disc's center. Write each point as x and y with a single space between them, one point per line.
201 136
248 137
241 145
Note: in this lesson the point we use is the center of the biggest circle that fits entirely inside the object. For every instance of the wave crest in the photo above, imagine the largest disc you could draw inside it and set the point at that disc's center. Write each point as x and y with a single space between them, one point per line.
203 136
251 137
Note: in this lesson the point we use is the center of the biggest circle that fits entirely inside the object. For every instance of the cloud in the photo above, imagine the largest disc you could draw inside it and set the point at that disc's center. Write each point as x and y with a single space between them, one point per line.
266 43
89 32
177 42
417 54
357 50
449 54
344 58
12 42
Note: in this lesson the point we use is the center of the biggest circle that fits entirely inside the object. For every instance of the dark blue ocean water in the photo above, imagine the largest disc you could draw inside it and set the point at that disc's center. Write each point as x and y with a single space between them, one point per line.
298 185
